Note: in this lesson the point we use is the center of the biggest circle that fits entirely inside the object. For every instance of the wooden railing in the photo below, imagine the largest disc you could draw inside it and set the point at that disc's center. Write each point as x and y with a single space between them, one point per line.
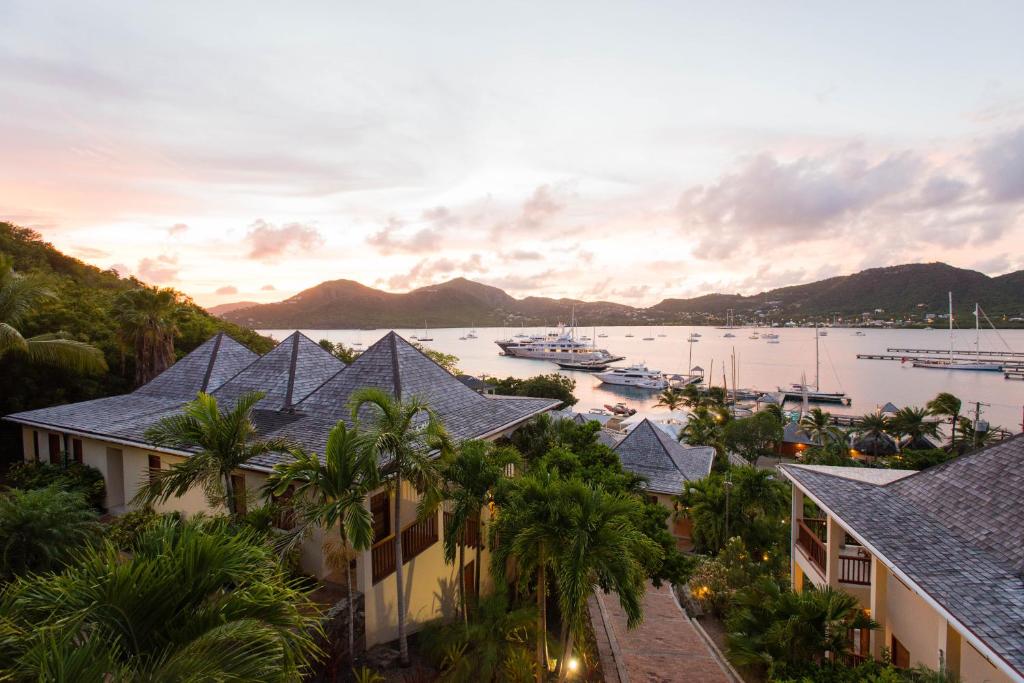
416 538
855 569
809 538
852 659
471 535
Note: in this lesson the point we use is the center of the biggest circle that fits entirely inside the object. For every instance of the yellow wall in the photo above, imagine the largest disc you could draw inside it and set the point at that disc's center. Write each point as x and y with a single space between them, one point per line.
974 668
914 623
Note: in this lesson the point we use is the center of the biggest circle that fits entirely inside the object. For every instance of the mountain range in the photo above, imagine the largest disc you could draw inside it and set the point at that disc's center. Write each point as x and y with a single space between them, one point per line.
903 291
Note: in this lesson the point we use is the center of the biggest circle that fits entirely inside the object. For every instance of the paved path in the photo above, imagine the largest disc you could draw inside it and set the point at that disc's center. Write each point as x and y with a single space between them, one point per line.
664 648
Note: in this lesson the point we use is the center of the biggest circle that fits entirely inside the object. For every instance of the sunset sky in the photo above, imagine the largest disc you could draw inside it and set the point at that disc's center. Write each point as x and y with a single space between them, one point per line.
618 150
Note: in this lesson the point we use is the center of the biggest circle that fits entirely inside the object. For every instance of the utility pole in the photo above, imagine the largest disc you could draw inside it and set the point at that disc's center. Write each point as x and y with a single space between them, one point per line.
977 419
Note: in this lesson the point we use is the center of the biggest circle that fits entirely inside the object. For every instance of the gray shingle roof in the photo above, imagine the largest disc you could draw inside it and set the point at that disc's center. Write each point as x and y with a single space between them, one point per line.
651 453
792 433
307 392
286 374
956 530
206 368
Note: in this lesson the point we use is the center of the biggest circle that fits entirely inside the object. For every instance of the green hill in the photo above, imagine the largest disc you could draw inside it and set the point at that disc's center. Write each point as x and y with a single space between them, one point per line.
900 291
82 310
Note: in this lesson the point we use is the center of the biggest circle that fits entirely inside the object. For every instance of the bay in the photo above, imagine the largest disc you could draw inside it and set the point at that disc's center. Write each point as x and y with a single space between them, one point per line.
760 365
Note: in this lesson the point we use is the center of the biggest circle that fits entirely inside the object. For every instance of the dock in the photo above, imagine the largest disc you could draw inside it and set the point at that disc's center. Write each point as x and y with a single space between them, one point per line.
1012 362
971 352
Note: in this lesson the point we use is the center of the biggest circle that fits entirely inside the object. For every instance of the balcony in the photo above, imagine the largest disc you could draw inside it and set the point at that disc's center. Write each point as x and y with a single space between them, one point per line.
812 539
416 538
470 537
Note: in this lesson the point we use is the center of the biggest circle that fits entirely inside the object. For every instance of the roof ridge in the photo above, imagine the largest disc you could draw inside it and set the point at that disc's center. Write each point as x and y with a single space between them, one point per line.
291 372
213 359
395 368
343 369
955 460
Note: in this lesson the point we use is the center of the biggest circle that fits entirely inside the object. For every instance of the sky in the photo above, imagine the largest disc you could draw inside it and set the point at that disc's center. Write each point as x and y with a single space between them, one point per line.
625 151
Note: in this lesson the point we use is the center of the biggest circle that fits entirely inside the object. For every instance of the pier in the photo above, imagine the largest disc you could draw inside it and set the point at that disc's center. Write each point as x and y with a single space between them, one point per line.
975 354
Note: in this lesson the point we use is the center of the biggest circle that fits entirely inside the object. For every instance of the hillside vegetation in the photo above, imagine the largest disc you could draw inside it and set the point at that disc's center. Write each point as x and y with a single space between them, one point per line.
900 291
83 309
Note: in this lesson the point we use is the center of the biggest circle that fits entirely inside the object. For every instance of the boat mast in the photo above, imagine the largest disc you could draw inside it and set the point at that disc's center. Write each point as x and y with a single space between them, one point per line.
977 332
951 327
817 359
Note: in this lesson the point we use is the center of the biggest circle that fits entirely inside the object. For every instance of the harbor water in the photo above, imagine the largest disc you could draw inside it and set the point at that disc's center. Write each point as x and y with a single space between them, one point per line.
759 364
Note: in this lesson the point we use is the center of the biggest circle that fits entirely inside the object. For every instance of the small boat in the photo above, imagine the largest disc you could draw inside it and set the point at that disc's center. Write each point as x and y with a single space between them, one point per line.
602 336
662 335
859 333
620 409
770 335
773 341
695 334
754 336
728 335
582 366
822 333
462 339
426 336
648 339
471 335
628 334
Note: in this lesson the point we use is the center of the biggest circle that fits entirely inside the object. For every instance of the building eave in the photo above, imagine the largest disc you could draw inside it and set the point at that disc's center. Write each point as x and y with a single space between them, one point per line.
968 633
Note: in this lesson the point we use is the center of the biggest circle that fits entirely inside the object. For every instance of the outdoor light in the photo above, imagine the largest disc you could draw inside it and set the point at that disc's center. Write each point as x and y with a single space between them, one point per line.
574 664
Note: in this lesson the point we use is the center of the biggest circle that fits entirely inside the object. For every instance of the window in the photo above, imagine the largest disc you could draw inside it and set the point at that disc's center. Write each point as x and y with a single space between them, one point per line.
380 508
35 445
55 449
76 450
154 466
900 655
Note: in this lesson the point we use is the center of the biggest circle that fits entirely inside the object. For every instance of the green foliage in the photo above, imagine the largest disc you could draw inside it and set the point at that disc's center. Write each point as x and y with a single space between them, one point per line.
706 427
754 436
491 647
82 309
191 601
346 354
76 478
552 385
716 579
365 674
769 625
42 529
125 529
758 506
916 460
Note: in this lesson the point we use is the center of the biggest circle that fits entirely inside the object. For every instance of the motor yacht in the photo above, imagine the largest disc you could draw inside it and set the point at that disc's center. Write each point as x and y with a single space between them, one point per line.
634 376
556 346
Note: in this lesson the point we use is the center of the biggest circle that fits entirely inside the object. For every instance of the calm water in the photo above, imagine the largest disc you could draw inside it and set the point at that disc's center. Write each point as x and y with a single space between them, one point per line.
759 364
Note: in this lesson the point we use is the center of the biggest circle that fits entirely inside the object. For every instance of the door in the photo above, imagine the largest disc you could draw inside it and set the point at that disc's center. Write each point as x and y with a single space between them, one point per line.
115 479
238 484
55 449
469 581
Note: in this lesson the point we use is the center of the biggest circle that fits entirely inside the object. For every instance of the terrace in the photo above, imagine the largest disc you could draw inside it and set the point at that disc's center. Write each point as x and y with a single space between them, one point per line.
854 562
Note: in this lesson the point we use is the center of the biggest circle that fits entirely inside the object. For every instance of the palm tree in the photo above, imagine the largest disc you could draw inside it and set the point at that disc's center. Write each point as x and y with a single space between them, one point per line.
872 429
41 529
817 424
333 492
911 422
690 396
19 296
671 398
946 405
192 601
532 528
602 548
470 477
402 437
148 319
704 428
221 441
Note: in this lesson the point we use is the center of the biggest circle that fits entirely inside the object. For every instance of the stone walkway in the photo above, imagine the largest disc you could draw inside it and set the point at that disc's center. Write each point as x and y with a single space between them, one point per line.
664 648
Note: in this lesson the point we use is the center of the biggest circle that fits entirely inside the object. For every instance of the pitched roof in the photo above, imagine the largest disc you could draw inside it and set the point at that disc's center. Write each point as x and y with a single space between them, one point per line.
651 453
206 368
792 433
402 370
960 538
474 383
286 374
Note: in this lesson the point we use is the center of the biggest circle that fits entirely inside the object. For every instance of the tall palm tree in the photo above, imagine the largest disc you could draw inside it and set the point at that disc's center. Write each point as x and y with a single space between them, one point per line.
402 437
532 528
947 405
192 601
690 396
41 529
671 398
148 319
705 428
19 296
221 441
471 476
333 491
911 422
817 424
602 548
872 429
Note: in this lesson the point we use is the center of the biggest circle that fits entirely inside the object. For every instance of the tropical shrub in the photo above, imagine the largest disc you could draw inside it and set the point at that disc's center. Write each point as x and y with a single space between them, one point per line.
552 385
715 580
42 529
75 478
191 601
124 530
754 436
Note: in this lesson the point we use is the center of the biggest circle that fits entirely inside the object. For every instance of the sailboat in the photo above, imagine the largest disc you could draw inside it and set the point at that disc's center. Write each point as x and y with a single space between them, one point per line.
426 336
803 392
952 364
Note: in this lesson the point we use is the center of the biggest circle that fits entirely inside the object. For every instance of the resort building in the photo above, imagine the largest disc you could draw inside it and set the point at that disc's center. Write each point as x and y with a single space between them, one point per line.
936 557
307 391
667 466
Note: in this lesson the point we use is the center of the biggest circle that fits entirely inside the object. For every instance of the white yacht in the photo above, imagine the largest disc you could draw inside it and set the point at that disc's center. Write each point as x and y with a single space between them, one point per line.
634 376
555 347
